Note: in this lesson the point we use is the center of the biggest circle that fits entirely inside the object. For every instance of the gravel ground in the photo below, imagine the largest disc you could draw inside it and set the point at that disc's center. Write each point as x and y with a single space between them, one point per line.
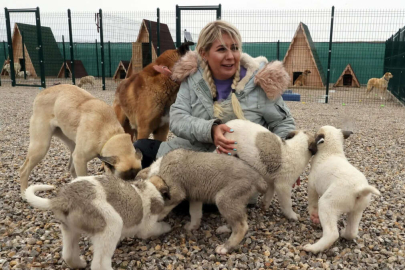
31 239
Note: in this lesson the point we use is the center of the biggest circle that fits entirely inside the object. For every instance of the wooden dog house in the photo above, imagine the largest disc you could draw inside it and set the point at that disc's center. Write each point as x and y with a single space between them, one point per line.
348 78
141 56
121 71
52 55
302 55
80 71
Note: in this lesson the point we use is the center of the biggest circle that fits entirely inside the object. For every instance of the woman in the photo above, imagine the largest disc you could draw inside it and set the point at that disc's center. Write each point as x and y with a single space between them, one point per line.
219 84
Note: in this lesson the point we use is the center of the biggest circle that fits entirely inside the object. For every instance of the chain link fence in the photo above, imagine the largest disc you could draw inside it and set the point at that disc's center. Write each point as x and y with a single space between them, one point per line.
364 44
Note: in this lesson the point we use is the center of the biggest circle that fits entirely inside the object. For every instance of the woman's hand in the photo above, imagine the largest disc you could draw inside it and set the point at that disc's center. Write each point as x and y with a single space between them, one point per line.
223 145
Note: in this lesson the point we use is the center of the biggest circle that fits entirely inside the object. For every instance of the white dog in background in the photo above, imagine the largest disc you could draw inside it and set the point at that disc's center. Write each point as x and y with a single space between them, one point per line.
107 209
341 188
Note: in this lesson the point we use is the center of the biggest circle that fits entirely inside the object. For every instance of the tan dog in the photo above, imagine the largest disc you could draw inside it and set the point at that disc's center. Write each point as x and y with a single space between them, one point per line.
86 80
142 101
202 177
381 83
302 79
88 126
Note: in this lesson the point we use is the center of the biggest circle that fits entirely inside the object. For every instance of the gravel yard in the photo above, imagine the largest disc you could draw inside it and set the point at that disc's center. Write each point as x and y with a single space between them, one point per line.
31 239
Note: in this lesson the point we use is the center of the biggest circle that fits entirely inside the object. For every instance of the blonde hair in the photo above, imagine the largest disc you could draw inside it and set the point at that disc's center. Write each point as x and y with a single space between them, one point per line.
208 35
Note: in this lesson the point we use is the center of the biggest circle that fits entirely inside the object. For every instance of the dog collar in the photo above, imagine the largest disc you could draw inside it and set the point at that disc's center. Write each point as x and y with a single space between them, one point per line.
386 79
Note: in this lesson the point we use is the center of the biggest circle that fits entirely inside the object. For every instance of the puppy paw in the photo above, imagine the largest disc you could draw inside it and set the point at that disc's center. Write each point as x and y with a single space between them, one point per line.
315 218
223 229
221 249
293 216
190 227
165 227
346 235
76 263
310 248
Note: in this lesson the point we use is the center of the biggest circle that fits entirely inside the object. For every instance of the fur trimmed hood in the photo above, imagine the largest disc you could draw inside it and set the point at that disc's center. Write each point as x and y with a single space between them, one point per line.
272 78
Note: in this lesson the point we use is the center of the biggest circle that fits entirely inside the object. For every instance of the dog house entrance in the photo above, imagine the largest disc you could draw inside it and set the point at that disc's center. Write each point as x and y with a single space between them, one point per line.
22 64
347 80
296 75
146 55
122 74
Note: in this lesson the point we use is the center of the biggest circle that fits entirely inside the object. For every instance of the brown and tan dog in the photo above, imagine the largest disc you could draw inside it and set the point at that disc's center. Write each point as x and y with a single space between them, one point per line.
302 79
142 101
380 84
87 125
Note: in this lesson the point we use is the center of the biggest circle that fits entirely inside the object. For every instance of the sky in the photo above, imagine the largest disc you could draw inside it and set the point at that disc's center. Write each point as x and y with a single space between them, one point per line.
257 20
121 5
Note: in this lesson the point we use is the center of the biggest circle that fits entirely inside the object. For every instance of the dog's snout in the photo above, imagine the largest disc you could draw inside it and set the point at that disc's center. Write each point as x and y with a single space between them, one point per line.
129 174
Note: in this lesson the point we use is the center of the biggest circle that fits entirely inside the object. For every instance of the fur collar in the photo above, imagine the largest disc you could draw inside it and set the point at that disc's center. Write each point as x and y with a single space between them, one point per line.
272 78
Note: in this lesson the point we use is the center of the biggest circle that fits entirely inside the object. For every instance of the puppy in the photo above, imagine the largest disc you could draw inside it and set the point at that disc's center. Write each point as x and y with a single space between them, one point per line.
279 161
202 177
302 79
105 208
341 188
86 80
380 84
142 101
87 125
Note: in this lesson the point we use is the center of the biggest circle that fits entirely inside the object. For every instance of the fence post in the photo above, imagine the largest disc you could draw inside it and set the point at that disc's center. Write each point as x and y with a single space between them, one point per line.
278 49
219 12
150 42
109 56
98 70
102 49
64 56
330 55
72 58
23 54
41 49
10 47
158 32
178 27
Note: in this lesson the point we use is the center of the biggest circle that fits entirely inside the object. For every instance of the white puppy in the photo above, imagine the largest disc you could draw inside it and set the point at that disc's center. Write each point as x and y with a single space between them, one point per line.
341 187
279 161
107 209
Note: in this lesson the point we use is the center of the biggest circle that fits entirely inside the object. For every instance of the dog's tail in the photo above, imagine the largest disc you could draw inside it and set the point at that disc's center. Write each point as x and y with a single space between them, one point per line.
261 185
34 200
364 191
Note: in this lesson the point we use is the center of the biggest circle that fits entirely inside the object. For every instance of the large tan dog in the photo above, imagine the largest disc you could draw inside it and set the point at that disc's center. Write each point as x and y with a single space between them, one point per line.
87 125
142 101
302 79
380 84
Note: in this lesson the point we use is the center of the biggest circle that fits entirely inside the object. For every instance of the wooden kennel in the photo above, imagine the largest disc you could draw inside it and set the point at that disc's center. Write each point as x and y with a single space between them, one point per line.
52 55
302 55
80 70
121 71
347 78
141 55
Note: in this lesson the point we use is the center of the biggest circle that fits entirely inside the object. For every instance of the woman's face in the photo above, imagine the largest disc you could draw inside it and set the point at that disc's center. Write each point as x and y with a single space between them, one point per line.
223 58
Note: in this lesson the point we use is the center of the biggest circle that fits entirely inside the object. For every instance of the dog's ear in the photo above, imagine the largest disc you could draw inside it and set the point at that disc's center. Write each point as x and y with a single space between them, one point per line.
291 135
184 47
346 134
138 154
161 185
109 160
142 174
320 139
313 148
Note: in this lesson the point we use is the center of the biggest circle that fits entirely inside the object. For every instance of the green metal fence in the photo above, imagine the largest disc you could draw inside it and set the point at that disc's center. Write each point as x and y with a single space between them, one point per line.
395 63
360 38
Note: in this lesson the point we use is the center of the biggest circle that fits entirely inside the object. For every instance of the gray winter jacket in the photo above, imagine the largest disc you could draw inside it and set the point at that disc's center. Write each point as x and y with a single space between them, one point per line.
192 115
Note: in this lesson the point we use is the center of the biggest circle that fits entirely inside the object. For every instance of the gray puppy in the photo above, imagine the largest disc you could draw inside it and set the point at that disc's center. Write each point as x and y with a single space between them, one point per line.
208 178
105 208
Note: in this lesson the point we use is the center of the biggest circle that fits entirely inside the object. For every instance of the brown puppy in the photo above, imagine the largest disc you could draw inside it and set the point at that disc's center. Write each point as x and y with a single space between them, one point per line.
302 79
87 125
381 83
142 101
